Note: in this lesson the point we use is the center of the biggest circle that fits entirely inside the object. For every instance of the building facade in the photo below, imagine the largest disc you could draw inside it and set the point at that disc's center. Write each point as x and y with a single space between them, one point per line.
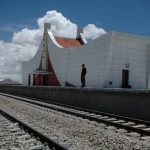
114 60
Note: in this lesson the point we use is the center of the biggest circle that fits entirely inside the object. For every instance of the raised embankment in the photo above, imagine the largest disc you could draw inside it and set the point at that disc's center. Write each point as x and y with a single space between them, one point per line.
131 103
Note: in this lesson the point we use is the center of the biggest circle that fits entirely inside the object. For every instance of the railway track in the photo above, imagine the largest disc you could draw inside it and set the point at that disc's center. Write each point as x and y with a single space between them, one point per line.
22 135
13 136
129 124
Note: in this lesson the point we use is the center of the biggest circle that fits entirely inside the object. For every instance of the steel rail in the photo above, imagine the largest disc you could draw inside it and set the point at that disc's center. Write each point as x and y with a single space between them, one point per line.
84 115
79 108
44 139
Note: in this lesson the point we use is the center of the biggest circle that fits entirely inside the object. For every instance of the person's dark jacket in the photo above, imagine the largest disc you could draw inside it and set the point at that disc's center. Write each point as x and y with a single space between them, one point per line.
83 71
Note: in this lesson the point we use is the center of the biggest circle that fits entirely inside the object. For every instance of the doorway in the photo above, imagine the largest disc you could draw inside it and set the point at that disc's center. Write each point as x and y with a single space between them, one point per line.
45 80
125 79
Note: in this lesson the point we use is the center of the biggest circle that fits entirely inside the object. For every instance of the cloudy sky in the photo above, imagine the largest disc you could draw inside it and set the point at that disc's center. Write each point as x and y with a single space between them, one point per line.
21 24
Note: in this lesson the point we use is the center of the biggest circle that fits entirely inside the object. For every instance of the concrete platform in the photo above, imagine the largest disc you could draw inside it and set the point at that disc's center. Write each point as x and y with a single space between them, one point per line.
125 102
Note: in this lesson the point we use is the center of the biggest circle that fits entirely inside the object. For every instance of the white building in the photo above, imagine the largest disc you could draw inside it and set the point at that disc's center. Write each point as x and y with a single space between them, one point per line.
113 60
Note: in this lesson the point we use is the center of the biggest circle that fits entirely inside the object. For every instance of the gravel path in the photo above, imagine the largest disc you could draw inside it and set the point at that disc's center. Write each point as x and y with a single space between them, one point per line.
74 132
12 137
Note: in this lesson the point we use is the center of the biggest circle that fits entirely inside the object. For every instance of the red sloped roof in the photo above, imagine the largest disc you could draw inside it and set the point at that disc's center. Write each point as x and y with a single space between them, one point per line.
68 42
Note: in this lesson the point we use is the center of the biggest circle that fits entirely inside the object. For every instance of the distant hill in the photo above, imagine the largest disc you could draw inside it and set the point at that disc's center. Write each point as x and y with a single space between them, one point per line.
8 81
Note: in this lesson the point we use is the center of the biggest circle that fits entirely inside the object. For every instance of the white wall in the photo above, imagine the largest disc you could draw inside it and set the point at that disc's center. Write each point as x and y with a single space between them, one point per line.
67 62
104 59
132 50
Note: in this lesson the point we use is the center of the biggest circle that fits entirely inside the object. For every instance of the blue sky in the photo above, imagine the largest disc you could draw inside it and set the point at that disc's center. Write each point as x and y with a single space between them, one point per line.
132 16
21 24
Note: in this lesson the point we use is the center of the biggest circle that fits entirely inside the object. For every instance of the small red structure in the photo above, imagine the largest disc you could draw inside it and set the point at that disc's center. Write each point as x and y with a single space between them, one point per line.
43 79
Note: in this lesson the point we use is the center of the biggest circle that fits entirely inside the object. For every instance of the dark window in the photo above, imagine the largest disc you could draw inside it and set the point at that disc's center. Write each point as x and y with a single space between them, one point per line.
125 79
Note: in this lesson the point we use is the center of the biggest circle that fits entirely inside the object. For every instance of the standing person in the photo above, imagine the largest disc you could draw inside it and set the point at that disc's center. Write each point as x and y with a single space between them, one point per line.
83 73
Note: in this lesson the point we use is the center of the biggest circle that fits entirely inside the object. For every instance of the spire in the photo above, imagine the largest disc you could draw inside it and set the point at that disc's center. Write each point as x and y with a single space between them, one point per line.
79 30
45 55
47 26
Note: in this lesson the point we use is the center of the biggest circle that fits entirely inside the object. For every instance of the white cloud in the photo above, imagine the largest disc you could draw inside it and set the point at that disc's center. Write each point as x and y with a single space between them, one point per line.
92 32
9 66
27 37
25 42
61 26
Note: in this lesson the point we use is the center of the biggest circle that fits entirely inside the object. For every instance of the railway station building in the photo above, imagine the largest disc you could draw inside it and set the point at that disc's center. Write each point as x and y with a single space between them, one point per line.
113 60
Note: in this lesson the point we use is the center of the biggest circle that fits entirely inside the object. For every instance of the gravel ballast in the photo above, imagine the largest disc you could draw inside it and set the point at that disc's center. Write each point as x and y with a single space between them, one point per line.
73 132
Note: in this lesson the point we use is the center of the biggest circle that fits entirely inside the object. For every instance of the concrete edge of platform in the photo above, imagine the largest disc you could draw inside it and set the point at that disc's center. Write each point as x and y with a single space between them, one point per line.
87 89
130 103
